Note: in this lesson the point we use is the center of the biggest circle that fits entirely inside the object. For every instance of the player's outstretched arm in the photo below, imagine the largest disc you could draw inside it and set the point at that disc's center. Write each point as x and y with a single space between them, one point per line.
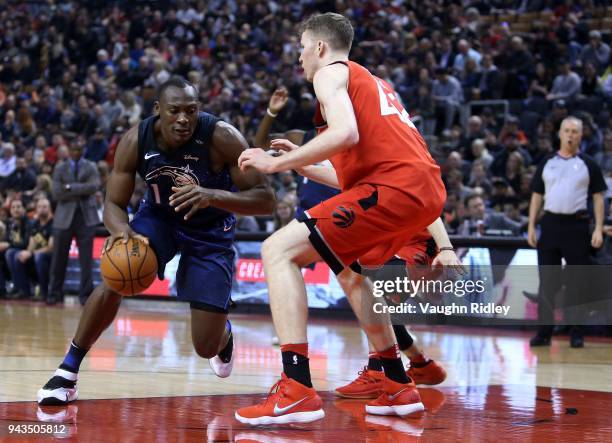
254 196
322 173
119 189
330 85
277 102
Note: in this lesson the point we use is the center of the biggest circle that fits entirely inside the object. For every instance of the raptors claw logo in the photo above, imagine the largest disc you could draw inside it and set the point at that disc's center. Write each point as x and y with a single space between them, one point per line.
180 176
343 217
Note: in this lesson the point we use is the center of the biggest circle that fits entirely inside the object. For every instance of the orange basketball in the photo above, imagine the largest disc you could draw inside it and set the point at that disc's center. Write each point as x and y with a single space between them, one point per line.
128 268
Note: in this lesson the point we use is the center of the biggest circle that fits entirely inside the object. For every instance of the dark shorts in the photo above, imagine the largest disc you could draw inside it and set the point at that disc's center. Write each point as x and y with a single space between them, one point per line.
205 270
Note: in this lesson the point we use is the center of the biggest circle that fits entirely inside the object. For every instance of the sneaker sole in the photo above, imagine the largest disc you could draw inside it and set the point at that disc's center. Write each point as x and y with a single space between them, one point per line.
56 397
401 410
379 410
296 417
365 396
404 410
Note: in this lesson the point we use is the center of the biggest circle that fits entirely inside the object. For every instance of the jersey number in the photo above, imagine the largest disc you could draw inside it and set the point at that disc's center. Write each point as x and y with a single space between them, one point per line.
389 105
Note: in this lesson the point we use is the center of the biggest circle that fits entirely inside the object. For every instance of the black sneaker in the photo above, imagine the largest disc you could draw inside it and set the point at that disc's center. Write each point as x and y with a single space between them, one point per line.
60 389
539 340
576 341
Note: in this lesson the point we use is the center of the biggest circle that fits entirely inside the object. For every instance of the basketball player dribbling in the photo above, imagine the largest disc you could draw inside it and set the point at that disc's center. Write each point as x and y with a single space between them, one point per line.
188 159
391 191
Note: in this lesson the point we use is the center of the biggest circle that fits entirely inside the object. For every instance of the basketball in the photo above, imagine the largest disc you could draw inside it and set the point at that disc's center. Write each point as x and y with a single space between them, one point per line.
128 268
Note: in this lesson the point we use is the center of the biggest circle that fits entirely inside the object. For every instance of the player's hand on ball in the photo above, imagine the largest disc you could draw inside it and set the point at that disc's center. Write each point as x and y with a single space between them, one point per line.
192 197
257 158
124 236
448 259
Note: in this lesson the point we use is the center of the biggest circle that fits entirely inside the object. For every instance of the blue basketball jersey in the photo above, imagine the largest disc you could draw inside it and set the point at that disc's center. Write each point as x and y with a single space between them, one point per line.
311 193
187 165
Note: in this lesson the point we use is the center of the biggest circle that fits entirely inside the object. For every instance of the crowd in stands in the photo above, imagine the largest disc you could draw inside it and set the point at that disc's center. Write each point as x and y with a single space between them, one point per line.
81 73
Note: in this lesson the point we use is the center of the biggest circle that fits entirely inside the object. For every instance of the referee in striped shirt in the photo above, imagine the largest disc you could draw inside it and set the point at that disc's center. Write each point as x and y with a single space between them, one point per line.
563 183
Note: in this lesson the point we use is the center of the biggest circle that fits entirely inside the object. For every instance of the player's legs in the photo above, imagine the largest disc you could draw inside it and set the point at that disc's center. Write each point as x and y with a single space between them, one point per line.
98 314
377 327
283 254
208 332
204 279
294 399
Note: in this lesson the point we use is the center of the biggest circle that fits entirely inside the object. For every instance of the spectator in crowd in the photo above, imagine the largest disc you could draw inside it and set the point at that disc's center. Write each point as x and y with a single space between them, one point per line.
283 213
591 85
480 221
15 240
543 149
500 193
455 161
446 55
448 95
454 184
478 177
481 153
515 167
489 80
518 64
75 183
474 131
595 52
131 109
512 210
592 137
465 52
8 161
512 144
36 257
97 148
286 184
21 179
566 85
604 159
541 83
112 107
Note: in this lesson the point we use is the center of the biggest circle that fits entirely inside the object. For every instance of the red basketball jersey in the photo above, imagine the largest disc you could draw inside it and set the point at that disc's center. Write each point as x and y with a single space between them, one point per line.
390 152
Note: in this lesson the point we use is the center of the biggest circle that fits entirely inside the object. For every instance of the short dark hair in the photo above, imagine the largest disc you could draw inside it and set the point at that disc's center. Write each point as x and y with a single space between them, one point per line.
174 81
334 28
471 197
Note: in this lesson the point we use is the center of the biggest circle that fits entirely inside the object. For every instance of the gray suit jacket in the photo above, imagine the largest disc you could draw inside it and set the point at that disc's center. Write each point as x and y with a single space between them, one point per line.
81 193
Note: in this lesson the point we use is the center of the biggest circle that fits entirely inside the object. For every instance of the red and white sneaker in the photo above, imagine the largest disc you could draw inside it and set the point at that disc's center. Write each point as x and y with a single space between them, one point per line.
368 384
288 402
397 399
430 374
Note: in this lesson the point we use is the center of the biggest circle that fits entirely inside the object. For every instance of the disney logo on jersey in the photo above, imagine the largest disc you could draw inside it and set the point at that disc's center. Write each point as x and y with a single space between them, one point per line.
180 176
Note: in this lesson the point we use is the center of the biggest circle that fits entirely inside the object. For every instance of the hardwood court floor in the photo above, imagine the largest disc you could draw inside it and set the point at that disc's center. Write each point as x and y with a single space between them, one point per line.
143 382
